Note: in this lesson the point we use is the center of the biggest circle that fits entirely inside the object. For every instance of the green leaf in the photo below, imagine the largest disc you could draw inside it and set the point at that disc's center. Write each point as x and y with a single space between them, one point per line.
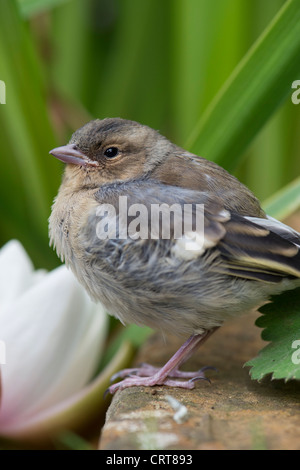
200 30
284 202
32 7
136 70
259 84
72 441
132 334
281 323
29 176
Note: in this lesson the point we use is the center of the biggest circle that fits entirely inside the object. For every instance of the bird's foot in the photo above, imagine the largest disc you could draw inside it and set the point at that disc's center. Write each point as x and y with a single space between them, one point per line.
147 370
148 376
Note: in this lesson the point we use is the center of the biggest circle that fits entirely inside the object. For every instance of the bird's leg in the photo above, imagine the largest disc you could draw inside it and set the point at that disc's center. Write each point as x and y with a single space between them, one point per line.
149 376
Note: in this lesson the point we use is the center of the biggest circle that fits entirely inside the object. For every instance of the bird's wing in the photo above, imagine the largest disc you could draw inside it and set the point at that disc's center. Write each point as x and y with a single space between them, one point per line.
249 247
277 227
257 248
187 170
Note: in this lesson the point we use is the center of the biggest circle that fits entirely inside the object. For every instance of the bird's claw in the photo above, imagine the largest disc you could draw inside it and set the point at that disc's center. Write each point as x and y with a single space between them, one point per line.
149 376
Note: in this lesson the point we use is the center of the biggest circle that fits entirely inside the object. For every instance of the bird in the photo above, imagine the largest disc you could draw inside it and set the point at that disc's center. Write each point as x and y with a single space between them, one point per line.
118 174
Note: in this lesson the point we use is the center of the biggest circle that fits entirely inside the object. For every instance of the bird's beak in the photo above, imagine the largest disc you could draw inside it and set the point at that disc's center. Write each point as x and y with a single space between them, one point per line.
69 154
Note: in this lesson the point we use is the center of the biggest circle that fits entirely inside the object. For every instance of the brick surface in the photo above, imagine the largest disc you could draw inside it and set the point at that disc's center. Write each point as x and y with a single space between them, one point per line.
233 412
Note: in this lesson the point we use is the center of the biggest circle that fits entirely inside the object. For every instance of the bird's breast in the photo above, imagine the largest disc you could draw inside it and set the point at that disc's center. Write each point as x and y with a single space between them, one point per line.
69 217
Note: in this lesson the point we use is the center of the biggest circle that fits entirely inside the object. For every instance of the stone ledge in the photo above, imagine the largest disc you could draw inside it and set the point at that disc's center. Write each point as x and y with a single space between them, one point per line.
233 412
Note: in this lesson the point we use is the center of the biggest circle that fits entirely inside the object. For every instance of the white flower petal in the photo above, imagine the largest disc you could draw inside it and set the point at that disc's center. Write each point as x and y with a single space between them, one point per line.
38 275
74 412
16 272
51 332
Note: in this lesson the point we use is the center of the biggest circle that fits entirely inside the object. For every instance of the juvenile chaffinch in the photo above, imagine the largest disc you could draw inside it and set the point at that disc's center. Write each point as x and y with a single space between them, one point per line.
102 225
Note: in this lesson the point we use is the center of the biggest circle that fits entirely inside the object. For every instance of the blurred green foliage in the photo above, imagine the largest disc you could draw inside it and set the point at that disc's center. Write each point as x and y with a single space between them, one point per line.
157 62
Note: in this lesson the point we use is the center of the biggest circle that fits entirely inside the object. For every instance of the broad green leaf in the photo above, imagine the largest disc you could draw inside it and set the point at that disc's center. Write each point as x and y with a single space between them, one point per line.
260 83
281 323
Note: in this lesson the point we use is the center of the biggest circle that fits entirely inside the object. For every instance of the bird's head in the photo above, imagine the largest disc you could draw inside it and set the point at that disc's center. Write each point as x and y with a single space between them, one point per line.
113 149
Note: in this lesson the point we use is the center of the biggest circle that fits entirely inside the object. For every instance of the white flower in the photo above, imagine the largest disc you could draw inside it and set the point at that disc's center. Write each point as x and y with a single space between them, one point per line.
53 336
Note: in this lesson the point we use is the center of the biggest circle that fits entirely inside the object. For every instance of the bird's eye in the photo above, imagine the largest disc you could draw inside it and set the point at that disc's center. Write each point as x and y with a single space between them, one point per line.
111 152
